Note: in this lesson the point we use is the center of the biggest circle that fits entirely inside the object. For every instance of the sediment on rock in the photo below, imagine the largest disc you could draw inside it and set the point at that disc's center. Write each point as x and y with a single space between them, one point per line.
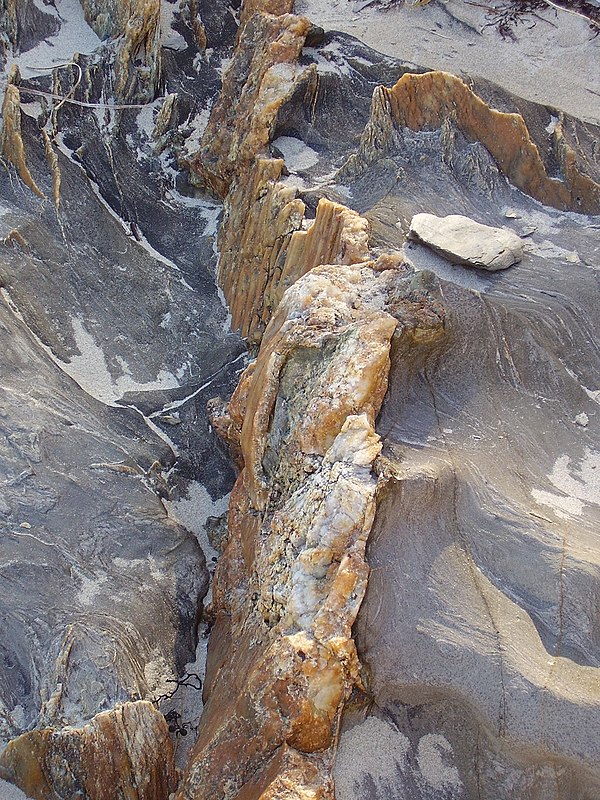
122 753
434 100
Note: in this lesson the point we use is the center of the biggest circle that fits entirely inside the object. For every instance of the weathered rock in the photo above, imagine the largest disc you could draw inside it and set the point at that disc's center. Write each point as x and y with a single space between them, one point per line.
263 74
122 753
281 655
136 26
438 100
100 591
11 140
266 243
483 549
464 241
275 7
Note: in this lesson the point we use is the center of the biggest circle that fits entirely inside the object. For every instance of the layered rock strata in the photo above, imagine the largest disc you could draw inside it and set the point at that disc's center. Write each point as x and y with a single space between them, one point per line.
438 100
125 753
479 626
301 423
266 243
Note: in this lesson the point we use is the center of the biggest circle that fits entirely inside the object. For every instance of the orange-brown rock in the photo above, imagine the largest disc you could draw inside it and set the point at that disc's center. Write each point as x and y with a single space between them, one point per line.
124 754
263 74
430 100
193 11
287 590
11 140
264 249
275 7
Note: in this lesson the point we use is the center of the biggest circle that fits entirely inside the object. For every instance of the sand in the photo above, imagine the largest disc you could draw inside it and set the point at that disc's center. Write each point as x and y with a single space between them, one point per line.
557 63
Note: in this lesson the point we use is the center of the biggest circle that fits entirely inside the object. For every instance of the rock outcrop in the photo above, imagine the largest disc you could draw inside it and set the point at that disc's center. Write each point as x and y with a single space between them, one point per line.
281 656
135 27
463 241
105 375
438 100
266 243
405 603
263 74
125 753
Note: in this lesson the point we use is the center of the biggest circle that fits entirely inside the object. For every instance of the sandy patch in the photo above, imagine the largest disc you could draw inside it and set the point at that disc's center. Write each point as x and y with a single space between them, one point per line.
451 36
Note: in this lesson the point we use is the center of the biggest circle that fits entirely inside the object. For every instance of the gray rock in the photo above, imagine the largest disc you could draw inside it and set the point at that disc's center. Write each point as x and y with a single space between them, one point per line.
467 242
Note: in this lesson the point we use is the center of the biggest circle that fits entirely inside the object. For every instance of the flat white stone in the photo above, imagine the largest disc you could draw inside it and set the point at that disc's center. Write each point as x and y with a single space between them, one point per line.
464 241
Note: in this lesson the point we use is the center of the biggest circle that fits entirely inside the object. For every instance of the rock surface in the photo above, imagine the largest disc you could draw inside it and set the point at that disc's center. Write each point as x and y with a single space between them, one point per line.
122 753
463 241
112 341
406 600
299 519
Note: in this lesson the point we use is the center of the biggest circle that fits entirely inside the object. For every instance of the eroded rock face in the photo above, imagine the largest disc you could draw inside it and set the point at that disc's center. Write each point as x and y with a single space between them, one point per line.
463 241
275 7
394 175
122 753
438 100
476 482
266 243
263 74
111 344
281 657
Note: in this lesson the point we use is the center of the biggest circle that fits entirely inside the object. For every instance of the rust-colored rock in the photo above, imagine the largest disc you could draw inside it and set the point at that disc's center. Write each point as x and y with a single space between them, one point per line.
430 100
275 7
264 248
263 74
11 140
121 754
192 10
287 590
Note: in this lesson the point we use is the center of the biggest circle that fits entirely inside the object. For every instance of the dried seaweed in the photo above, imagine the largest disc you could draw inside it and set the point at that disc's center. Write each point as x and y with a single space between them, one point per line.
507 15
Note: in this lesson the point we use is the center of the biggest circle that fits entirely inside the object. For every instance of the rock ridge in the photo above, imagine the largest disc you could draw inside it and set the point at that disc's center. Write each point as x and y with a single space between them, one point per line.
437 100
287 589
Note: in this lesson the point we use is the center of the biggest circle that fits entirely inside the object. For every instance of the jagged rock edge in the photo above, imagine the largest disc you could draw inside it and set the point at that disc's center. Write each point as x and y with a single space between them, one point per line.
265 217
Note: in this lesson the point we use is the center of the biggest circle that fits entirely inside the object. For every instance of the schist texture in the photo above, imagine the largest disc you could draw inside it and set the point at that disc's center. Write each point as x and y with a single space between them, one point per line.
299 442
